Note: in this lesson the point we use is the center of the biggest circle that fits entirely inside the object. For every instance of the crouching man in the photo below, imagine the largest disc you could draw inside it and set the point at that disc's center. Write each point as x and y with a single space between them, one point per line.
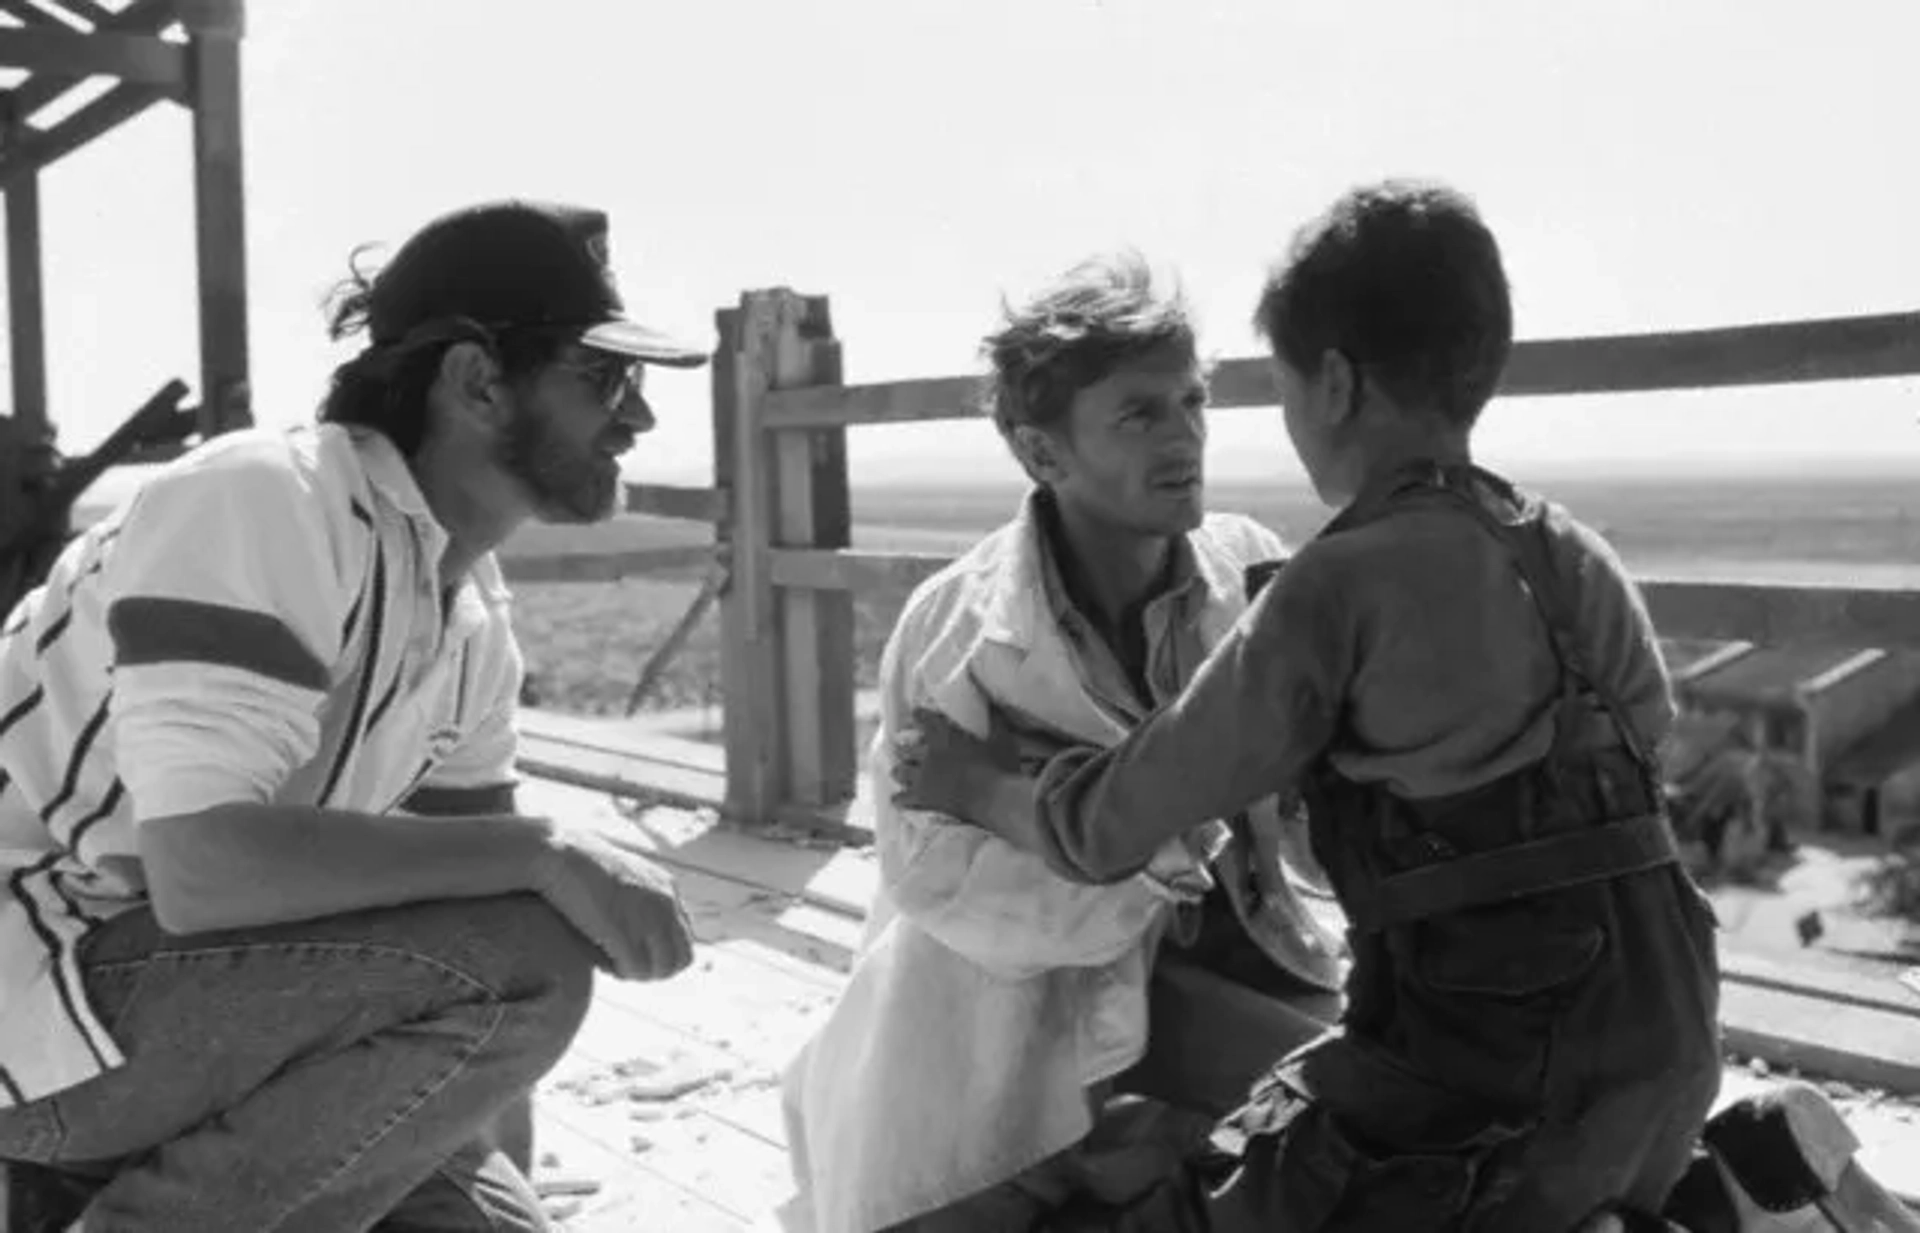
277 951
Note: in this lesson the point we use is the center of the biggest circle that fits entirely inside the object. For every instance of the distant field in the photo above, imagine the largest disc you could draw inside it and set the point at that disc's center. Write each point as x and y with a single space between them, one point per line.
585 642
1815 522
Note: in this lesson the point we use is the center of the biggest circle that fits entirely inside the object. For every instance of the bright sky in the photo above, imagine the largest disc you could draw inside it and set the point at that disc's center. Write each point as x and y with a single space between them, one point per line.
1647 165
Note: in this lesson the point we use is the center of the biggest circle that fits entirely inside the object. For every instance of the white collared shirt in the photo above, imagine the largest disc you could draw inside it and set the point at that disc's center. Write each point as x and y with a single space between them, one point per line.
263 621
990 992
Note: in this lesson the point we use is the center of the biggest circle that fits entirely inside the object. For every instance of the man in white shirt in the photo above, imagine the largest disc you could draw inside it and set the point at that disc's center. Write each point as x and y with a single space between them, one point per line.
276 948
966 1079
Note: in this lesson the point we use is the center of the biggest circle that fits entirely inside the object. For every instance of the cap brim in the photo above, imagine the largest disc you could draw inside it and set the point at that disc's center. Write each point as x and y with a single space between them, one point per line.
643 343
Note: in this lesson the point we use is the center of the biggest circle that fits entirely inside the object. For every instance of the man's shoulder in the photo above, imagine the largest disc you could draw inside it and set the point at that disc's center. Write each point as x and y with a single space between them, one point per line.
265 457
966 580
311 468
1237 540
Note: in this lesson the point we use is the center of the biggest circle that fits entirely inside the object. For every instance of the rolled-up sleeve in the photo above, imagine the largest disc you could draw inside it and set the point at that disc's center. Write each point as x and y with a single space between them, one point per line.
1260 709
226 609
977 894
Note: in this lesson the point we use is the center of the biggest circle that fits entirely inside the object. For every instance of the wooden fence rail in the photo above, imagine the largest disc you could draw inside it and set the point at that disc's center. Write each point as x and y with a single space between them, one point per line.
781 508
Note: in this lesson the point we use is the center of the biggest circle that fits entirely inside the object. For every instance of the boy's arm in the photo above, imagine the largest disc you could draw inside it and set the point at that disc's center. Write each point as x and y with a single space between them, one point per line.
1624 646
1256 715
977 894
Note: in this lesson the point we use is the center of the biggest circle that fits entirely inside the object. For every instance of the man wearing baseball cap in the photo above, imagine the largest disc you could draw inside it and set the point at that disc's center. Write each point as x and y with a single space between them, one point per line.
276 948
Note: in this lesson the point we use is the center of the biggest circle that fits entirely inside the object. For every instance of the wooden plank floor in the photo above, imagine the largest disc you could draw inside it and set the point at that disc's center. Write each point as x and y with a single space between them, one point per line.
666 1114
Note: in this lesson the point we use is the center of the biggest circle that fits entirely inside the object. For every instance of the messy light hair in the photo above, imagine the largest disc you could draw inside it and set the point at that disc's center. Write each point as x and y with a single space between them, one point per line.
1107 311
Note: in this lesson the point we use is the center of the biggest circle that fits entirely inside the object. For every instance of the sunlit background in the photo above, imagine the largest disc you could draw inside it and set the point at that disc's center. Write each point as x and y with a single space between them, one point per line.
1648 165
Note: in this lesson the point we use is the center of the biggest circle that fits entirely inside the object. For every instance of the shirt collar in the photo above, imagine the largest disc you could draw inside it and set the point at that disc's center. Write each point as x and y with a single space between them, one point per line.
1030 587
392 480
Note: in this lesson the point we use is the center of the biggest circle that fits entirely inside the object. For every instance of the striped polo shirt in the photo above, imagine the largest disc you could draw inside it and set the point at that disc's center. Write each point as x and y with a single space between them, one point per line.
262 621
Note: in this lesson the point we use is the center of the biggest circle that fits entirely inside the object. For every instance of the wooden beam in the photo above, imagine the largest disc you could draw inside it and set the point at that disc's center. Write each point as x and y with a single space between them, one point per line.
1713 661
669 647
827 570
603 566
220 213
813 508
1777 353
646 768
1845 348
130 57
1841 617
28 14
1765 614
26 298
140 17
886 402
42 149
676 501
749 659
97 15
225 19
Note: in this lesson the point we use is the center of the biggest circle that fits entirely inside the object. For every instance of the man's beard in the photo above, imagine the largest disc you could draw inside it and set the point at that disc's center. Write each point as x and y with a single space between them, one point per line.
567 483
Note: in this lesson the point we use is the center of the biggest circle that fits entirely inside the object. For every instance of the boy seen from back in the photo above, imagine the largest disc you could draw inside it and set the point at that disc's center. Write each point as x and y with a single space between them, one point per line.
1465 687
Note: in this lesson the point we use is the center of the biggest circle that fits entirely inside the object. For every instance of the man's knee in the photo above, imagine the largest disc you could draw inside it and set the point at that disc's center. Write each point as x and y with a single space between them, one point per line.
538 958
517 949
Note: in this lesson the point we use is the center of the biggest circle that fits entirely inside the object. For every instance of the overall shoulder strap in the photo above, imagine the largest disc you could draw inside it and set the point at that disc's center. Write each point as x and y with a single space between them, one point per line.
1529 543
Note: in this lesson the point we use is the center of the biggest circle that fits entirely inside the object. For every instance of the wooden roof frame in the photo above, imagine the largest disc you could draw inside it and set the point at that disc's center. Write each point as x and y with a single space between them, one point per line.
63 43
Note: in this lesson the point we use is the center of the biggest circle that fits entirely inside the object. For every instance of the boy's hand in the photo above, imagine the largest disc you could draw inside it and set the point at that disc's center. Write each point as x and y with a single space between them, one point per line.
942 767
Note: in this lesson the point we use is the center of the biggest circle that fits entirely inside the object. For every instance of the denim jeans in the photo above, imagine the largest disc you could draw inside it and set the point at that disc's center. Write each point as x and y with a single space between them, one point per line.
342 1074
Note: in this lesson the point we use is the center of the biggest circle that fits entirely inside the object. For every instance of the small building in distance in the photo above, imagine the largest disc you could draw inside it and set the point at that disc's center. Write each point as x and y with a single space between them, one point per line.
1847 721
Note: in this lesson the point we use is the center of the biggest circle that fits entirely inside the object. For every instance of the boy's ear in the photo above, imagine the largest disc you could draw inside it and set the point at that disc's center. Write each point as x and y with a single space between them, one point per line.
1339 383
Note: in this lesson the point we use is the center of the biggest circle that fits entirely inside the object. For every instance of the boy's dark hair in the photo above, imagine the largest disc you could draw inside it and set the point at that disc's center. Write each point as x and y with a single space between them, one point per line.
1405 280
385 387
1104 312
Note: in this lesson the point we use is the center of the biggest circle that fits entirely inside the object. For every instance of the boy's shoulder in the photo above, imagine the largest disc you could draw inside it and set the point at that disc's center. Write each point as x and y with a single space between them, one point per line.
1427 533
1434 538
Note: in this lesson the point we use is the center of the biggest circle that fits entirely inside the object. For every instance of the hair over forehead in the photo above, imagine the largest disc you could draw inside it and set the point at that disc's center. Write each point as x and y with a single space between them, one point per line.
1104 312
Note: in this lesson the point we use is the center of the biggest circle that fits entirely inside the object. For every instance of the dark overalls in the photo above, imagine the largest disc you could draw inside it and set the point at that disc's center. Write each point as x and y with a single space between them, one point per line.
1531 1029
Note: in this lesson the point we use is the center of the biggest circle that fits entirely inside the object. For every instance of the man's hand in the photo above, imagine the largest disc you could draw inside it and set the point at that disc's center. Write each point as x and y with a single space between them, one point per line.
626 905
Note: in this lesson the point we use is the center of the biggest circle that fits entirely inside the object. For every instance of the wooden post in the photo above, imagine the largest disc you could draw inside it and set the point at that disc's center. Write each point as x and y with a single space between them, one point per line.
787 658
26 297
215 28
814 510
749 664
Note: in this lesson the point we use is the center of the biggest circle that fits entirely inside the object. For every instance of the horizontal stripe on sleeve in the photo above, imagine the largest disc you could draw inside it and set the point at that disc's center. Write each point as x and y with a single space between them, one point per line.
155 630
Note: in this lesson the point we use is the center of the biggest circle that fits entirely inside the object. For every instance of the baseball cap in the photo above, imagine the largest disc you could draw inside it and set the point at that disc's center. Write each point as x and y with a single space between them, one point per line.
516 265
